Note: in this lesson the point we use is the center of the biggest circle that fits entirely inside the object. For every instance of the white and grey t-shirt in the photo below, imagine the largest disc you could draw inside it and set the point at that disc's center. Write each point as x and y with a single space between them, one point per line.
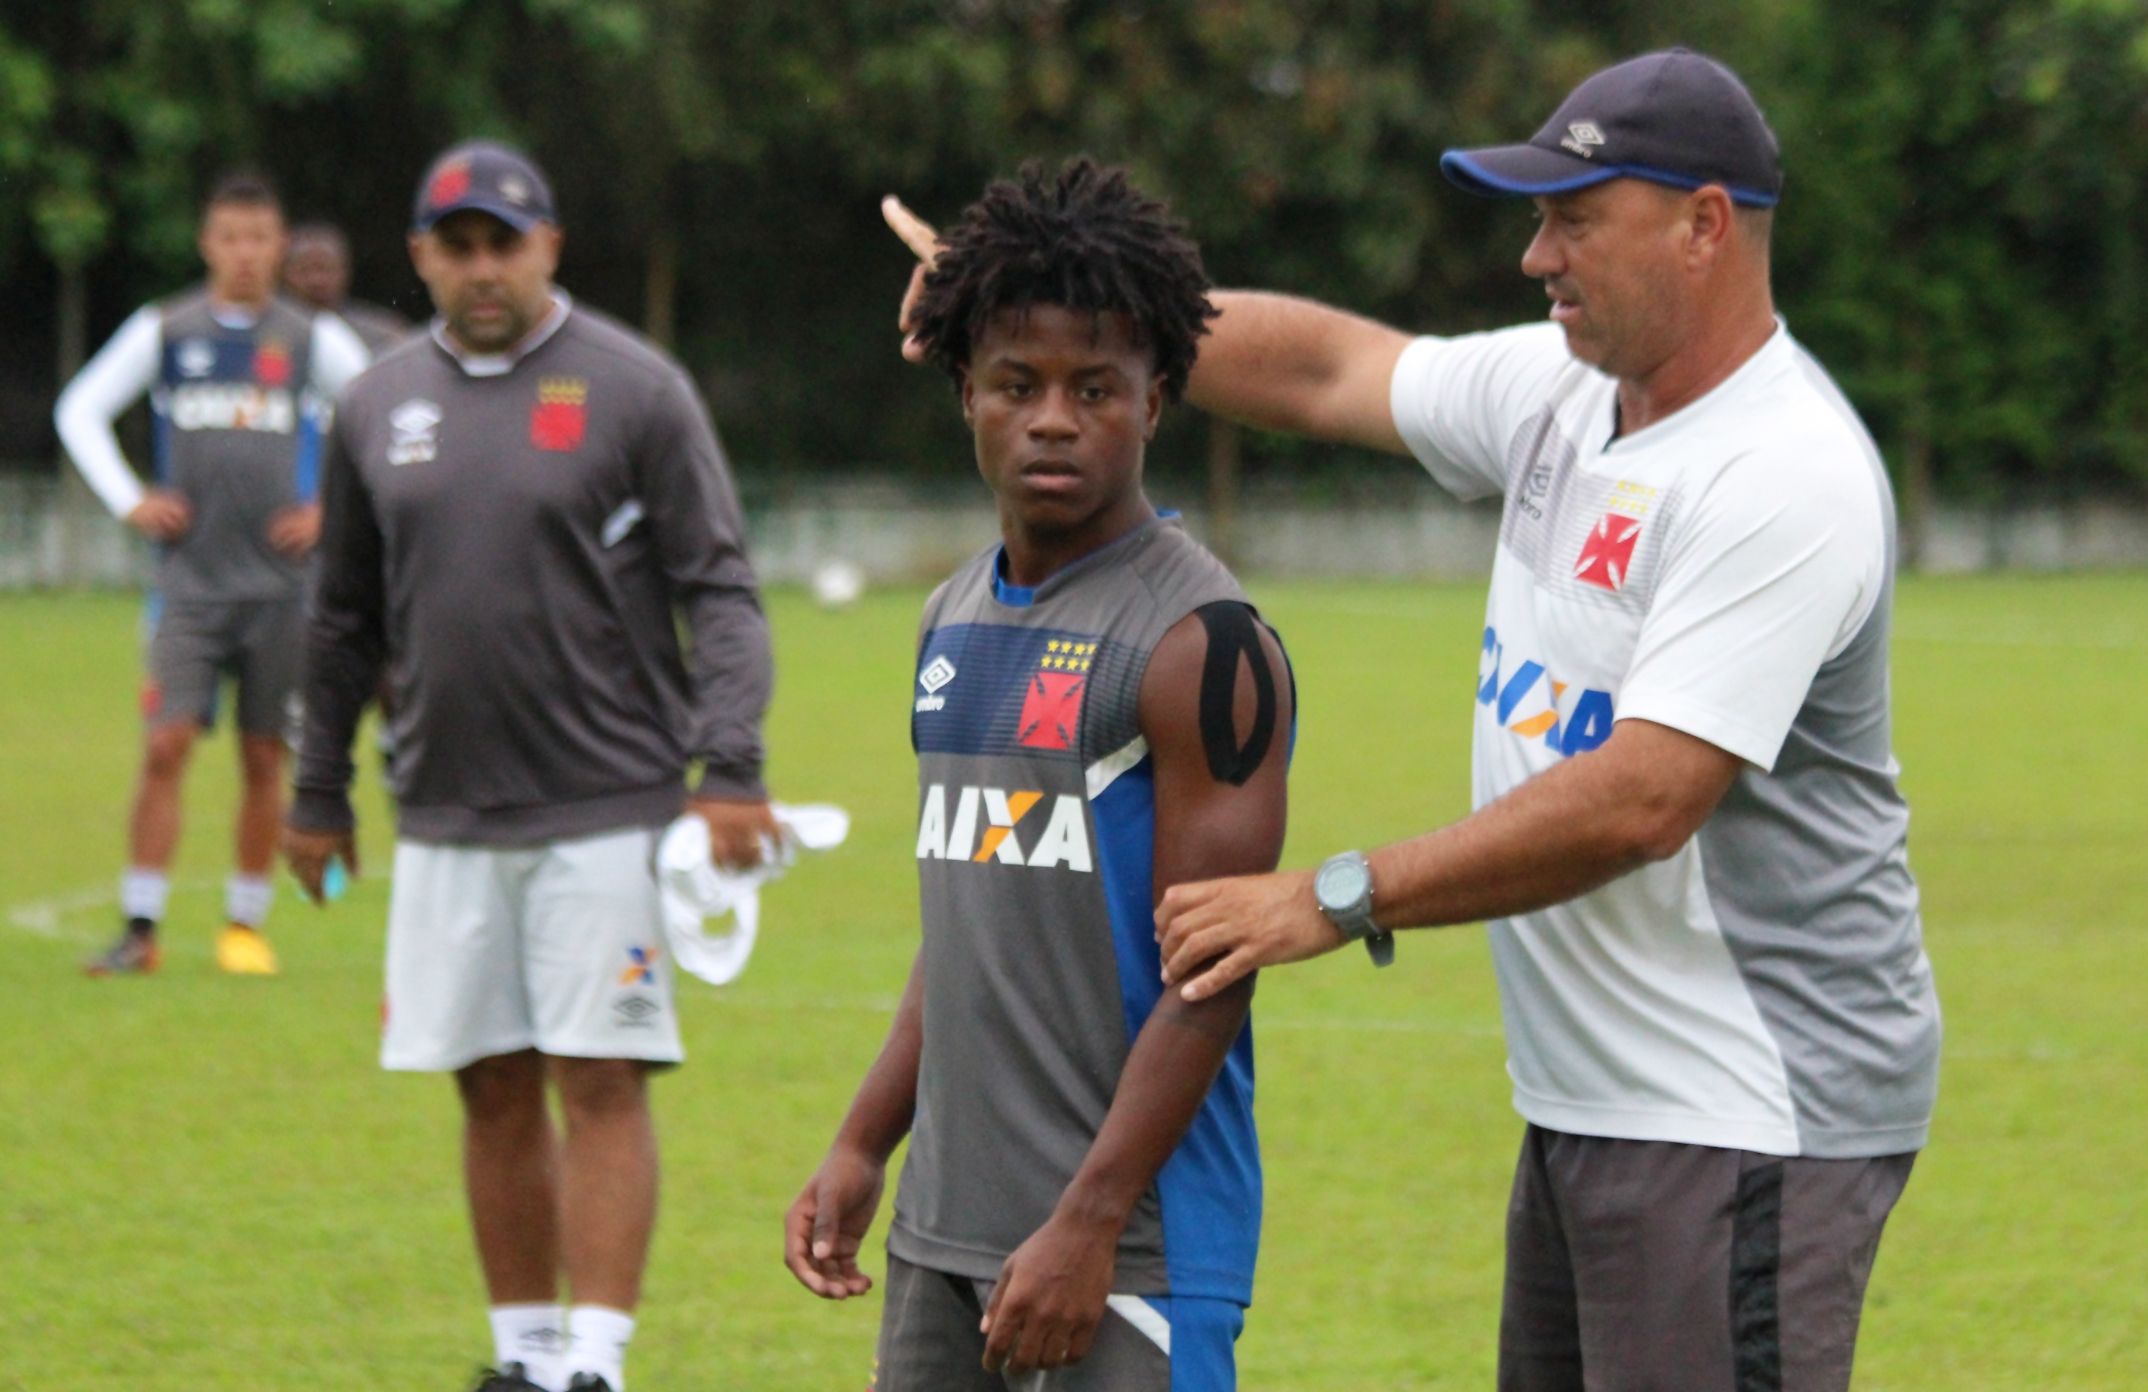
1728 572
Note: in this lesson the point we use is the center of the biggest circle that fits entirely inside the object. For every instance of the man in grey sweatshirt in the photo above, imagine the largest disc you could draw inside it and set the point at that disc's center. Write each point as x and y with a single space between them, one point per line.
518 507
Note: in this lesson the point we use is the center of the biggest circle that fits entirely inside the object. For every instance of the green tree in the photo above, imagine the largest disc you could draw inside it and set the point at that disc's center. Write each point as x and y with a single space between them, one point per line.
1963 190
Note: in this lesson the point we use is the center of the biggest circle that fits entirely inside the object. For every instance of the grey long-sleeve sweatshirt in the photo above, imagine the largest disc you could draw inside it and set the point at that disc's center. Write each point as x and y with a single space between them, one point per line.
513 537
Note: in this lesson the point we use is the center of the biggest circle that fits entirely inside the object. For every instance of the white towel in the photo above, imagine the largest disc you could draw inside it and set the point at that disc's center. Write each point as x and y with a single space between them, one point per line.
695 889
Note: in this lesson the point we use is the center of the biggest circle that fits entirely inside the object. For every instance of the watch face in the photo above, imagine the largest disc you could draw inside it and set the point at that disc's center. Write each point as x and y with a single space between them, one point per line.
1340 884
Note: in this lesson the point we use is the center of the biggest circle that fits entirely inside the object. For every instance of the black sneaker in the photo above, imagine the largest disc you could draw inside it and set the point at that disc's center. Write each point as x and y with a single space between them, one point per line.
135 954
588 1382
508 1377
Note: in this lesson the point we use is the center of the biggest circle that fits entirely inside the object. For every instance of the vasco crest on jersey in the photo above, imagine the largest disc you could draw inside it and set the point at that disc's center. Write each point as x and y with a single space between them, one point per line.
1051 698
1606 560
561 416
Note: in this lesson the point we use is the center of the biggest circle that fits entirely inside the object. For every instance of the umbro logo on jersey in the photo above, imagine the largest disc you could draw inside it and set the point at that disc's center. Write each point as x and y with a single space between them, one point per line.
1583 138
1533 704
938 673
954 834
414 424
196 358
233 406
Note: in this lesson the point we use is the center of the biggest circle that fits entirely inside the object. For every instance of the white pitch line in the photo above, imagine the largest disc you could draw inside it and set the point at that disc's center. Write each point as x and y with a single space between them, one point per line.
1964 639
44 917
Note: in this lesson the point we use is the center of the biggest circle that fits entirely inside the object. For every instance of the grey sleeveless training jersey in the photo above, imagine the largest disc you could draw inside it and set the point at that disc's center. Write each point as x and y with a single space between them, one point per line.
237 434
1035 837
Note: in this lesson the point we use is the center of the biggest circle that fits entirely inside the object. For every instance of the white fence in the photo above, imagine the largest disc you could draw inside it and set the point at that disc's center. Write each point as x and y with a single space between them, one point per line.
52 536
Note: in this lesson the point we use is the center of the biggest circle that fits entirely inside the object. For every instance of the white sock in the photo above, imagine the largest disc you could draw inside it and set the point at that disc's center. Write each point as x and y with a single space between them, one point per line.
142 893
534 1336
247 898
597 1337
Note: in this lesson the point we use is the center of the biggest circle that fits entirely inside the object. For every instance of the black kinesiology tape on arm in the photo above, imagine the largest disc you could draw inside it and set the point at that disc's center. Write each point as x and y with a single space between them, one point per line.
1232 633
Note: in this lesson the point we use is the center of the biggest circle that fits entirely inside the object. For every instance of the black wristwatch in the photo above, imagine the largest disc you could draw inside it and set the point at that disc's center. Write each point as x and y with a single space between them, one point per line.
1342 886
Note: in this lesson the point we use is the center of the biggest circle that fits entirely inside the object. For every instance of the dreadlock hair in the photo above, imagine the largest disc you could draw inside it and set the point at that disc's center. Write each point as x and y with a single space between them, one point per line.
1086 240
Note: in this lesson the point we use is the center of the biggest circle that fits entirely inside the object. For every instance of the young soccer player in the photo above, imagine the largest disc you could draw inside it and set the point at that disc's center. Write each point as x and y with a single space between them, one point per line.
236 379
1098 714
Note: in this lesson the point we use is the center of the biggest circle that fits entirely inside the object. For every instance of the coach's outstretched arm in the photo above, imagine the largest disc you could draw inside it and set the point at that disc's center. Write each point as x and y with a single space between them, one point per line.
1275 361
1219 732
346 644
1284 363
1576 827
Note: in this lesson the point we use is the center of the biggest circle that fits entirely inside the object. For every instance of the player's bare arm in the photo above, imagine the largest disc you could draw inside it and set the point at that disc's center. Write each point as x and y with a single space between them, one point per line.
1216 710
1572 829
828 1220
1285 363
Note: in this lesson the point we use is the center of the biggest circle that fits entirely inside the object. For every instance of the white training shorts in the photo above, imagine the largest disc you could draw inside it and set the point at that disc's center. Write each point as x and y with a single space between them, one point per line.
557 948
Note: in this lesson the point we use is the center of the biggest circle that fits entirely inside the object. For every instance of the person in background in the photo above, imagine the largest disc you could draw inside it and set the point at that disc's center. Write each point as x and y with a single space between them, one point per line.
238 381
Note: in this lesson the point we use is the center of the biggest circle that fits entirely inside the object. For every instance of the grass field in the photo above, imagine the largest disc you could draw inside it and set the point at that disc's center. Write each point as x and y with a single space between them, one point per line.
205 1183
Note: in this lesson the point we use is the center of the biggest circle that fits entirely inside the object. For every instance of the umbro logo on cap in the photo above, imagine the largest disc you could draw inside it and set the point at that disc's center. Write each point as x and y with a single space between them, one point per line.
1582 137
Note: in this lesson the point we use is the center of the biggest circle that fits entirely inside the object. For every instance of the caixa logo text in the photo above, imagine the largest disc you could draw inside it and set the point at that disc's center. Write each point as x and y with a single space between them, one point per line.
954 834
1531 703
226 406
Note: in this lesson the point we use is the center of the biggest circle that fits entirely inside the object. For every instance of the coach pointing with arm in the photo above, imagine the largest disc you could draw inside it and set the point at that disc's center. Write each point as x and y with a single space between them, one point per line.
1688 844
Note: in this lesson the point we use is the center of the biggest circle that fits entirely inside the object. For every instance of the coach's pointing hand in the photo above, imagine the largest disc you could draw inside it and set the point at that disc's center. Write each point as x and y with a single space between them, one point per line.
1238 926
924 243
308 854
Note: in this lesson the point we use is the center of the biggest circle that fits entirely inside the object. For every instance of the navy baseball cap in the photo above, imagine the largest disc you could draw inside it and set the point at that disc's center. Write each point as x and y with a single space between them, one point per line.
488 177
1677 118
